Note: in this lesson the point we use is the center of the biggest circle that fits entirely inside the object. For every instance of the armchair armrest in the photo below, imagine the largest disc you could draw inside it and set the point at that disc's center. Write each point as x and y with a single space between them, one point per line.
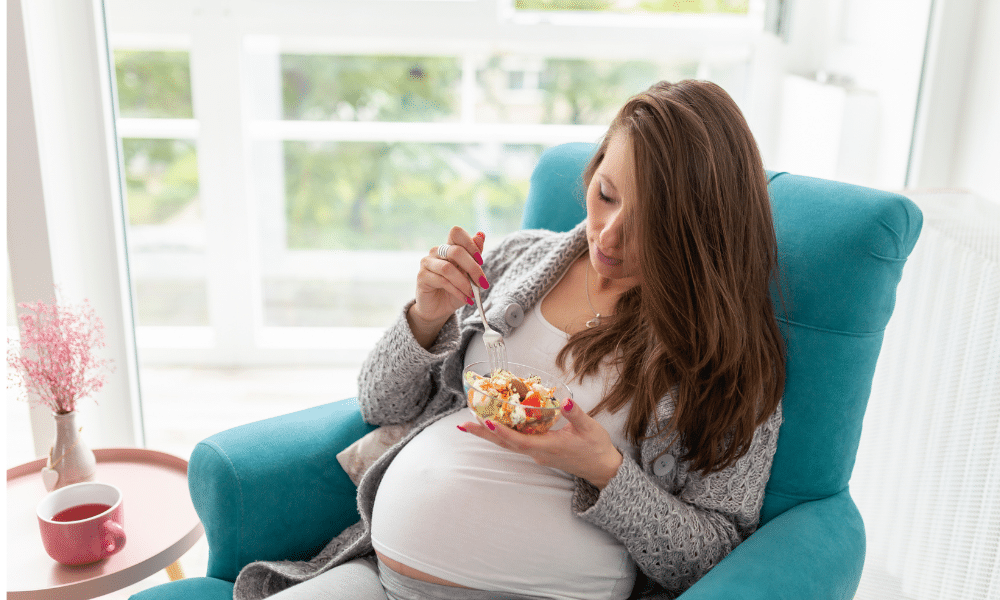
814 550
274 489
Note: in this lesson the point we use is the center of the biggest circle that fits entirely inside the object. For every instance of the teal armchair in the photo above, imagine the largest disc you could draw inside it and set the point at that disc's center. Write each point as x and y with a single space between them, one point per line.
259 487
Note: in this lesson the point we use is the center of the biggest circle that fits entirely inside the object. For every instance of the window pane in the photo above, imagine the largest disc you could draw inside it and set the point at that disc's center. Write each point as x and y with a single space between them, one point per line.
166 231
293 302
358 216
523 89
371 88
153 84
398 196
174 301
161 177
642 6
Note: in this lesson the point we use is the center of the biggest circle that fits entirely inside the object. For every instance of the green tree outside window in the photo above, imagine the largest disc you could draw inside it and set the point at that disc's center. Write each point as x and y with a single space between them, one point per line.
161 179
569 91
395 196
370 88
153 84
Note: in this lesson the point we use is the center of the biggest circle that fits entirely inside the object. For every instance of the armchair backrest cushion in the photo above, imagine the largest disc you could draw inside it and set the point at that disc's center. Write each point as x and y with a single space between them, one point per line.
841 251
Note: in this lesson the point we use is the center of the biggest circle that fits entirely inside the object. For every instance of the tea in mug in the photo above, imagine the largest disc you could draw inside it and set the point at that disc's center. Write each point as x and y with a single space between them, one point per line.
80 512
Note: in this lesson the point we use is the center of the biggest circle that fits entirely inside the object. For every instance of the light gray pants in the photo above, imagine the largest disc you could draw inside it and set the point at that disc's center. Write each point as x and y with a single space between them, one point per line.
362 579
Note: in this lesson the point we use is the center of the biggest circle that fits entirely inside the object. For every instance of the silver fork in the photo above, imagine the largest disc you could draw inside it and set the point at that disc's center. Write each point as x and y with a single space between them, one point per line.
495 348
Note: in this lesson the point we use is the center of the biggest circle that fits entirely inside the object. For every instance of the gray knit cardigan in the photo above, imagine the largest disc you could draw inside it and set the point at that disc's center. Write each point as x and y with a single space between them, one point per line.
675 523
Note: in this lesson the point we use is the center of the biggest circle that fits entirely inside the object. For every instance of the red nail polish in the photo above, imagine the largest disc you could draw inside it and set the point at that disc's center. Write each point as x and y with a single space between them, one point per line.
469 301
478 257
480 235
483 283
568 406
462 428
491 425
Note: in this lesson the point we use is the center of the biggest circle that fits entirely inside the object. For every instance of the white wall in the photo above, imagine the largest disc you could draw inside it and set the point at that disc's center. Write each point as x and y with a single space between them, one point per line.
957 125
849 99
977 144
856 92
879 44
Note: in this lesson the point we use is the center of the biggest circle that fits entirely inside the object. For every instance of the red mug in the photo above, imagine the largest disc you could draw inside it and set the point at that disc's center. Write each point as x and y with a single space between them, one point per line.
82 523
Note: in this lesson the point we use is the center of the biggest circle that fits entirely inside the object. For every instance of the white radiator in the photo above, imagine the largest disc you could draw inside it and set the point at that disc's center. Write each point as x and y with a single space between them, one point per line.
927 477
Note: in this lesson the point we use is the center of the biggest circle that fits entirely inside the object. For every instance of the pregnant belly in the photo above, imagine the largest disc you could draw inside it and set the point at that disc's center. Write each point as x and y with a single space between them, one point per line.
452 509
412 573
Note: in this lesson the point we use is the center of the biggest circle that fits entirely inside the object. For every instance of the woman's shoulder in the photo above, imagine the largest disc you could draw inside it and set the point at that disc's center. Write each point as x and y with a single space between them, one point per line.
533 237
531 244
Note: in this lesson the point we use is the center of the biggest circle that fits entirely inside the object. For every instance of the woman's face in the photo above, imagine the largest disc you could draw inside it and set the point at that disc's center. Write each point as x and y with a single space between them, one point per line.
611 189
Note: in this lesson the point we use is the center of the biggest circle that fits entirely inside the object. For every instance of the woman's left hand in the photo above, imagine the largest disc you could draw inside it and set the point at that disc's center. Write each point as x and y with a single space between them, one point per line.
582 447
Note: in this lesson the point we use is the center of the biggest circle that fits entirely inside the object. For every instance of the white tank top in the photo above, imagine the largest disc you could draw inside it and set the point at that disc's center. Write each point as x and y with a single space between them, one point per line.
465 510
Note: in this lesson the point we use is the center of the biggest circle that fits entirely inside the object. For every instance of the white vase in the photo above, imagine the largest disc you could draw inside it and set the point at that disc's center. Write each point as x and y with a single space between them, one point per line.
70 459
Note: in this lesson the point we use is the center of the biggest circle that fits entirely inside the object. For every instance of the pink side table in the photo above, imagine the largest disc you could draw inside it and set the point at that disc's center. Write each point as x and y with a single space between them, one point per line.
160 523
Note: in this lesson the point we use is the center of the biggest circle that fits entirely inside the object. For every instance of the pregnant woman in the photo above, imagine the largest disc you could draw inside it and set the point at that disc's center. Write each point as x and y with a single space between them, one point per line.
656 309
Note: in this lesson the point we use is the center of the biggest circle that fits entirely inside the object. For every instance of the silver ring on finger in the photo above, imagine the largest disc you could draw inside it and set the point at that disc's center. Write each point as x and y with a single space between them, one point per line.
443 251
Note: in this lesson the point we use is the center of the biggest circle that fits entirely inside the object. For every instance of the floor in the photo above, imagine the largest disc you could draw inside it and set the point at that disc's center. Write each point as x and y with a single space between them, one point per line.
183 405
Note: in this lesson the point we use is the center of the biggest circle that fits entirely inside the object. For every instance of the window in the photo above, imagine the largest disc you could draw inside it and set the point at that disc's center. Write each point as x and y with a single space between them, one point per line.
286 173
160 161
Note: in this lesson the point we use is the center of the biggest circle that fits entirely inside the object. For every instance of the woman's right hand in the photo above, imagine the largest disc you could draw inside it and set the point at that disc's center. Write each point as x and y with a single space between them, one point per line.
443 285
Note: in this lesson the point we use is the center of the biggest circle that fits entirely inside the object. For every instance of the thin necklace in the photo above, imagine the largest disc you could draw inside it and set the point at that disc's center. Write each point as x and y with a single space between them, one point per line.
597 316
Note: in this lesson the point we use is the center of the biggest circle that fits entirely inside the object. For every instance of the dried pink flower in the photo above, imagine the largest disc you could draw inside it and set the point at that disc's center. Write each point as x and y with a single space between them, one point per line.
55 357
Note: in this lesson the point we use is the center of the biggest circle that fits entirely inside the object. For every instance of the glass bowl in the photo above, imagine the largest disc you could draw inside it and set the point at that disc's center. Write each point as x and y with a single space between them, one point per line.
529 402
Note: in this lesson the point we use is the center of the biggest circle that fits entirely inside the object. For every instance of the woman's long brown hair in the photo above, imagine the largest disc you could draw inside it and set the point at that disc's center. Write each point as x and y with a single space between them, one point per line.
701 325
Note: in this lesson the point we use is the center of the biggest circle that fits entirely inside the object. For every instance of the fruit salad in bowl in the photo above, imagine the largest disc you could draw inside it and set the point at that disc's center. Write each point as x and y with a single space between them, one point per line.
522 398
